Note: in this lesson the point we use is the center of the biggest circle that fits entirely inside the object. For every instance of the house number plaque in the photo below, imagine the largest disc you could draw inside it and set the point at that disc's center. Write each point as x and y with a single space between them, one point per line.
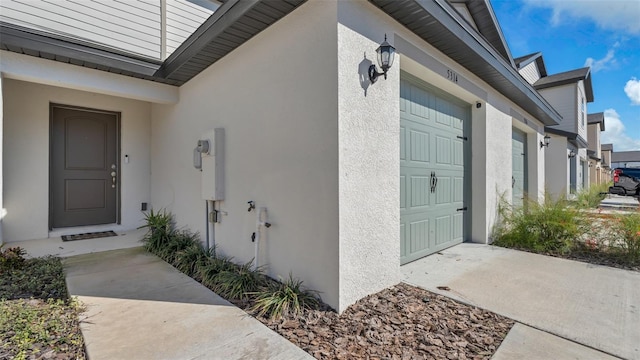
452 76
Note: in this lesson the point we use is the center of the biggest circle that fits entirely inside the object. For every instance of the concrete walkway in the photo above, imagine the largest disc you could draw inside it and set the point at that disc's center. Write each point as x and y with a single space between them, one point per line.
566 309
139 307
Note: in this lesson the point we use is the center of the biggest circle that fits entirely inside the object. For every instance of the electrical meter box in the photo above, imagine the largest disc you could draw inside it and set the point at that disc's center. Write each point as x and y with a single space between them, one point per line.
213 165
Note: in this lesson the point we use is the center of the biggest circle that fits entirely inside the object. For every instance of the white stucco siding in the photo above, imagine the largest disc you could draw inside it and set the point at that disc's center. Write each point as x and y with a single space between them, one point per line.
276 98
530 72
557 166
2 210
26 154
563 100
369 161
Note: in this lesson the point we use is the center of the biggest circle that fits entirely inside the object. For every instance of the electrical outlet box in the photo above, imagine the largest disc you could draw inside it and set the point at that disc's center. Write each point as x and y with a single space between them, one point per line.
213 166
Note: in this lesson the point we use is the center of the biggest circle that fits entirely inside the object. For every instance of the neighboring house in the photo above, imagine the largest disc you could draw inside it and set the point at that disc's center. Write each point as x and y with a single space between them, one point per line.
355 177
595 124
625 159
607 151
566 159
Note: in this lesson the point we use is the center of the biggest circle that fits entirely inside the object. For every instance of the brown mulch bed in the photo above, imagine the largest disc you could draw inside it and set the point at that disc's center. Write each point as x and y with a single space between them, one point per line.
401 322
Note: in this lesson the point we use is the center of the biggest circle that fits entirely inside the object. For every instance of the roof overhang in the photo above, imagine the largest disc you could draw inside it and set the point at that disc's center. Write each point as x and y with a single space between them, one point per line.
592 155
568 77
573 138
438 23
595 119
527 59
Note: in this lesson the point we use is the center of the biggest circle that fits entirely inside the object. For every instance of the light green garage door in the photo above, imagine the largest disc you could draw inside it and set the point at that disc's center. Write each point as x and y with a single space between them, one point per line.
432 159
518 166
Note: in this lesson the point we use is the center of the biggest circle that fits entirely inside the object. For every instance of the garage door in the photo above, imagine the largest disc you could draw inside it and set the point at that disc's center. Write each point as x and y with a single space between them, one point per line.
432 158
518 166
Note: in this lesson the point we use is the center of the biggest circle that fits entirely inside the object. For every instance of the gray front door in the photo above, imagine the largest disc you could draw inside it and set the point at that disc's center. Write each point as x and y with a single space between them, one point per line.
432 158
84 167
518 166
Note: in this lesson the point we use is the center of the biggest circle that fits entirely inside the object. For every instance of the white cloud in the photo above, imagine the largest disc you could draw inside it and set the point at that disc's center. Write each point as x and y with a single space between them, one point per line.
615 133
632 89
597 65
611 14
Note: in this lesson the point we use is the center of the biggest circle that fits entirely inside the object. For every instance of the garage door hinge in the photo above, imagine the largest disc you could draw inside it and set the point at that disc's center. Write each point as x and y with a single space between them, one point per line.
462 209
462 137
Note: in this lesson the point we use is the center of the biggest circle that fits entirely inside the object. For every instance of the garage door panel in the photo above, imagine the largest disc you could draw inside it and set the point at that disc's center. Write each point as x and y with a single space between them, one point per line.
419 102
458 226
403 192
420 151
419 235
458 152
443 229
458 189
403 239
443 190
420 191
443 112
403 143
443 150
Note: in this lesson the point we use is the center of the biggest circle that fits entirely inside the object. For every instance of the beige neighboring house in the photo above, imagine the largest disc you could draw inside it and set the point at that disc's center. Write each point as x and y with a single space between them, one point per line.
276 104
566 158
595 123
607 154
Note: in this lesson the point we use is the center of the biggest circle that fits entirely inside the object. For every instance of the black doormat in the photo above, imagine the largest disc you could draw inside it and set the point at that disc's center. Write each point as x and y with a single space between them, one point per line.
93 235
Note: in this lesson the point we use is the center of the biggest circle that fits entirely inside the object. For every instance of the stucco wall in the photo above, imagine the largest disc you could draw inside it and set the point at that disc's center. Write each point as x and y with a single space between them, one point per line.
276 98
2 210
557 166
369 159
26 154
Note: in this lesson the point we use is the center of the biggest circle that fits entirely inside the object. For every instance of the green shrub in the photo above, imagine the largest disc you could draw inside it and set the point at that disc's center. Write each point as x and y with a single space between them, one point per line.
591 197
41 278
11 258
160 229
629 237
550 227
284 298
211 267
188 259
240 281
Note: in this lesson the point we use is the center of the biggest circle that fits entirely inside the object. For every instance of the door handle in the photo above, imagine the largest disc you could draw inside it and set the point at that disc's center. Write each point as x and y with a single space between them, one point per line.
434 181
113 179
513 182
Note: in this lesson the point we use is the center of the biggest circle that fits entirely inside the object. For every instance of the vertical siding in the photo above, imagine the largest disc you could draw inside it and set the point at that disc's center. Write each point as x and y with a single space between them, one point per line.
131 26
530 72
581 110
563 99
183 18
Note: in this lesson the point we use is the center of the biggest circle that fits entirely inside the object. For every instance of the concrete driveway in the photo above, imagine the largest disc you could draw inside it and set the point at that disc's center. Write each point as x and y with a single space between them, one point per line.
565 308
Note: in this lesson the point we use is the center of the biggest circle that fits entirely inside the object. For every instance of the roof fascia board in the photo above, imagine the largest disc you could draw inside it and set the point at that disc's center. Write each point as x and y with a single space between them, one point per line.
444 14
42 71
496 24
216 24
21 37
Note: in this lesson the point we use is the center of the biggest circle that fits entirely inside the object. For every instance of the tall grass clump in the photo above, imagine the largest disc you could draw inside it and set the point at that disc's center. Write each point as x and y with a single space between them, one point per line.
590 198
550 227
628 244
285 298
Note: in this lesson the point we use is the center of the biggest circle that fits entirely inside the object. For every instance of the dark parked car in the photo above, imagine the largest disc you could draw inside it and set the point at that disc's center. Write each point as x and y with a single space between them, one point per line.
626 181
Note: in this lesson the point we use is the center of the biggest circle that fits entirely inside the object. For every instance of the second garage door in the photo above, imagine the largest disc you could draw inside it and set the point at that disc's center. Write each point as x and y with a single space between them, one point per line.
432 173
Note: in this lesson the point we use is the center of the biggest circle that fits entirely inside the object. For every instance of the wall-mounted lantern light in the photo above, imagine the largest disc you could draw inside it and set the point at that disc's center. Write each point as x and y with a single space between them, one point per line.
590 165
386 53
547 140
572 154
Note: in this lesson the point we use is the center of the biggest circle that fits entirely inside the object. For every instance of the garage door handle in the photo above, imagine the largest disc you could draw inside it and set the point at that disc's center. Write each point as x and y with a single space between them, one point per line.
462 209
513 182
434 181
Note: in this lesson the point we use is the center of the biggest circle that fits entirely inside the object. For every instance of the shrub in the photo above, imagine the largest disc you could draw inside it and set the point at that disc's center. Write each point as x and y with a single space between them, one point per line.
550 227
11 257
188 259
629 240
591 197
285 298
39 278
160 229
240 281
211 267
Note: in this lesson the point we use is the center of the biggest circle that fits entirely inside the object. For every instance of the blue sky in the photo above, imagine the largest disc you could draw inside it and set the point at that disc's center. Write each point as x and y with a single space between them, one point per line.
603 34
